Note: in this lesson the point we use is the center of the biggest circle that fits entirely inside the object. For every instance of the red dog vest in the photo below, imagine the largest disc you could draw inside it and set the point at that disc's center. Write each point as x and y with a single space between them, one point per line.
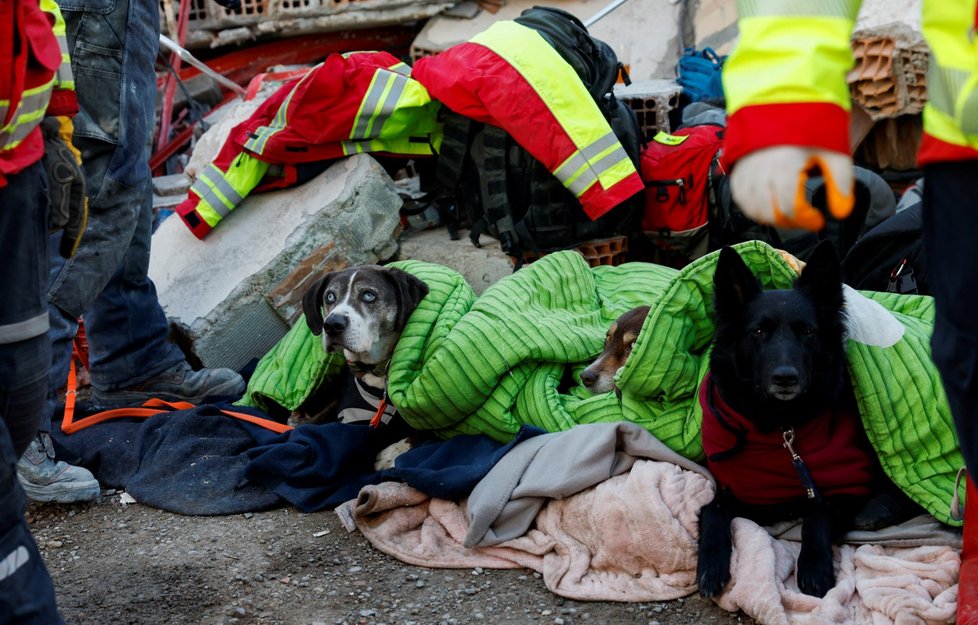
757 467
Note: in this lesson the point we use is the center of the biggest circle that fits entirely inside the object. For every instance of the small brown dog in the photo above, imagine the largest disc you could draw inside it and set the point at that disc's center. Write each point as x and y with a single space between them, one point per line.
599 377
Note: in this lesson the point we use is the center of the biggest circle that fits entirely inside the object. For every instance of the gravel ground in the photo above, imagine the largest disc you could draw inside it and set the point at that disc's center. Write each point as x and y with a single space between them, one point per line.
117 564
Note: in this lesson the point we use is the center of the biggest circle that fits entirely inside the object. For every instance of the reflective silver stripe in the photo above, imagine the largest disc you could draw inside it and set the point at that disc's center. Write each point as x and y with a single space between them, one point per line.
943 86
23 330
14 560
256 142
352 147
11 139
207 194
797 8
590 175
401 68
216 178
30 111
969 117
64 71
584 155
376 106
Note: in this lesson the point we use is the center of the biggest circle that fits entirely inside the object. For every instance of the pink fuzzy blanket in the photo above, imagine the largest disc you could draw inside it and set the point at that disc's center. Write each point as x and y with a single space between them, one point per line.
633 538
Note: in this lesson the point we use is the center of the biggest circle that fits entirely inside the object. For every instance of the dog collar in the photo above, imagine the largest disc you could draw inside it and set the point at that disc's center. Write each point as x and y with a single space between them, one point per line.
361 369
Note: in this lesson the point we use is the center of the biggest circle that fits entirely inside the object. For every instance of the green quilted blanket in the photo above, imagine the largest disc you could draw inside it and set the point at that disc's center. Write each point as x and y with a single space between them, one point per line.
512 356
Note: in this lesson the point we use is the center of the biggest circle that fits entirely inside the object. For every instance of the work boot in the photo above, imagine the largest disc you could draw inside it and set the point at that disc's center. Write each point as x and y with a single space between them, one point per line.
178 383
47 479
968 574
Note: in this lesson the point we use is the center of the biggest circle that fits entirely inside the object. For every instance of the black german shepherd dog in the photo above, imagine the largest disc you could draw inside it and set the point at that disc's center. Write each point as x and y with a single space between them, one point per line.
781 430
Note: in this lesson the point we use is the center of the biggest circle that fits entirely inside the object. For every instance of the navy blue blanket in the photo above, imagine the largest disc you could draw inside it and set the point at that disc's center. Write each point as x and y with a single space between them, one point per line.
203 462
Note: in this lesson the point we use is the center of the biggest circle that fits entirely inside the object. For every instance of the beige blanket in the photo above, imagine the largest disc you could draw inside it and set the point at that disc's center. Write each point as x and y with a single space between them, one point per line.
633 538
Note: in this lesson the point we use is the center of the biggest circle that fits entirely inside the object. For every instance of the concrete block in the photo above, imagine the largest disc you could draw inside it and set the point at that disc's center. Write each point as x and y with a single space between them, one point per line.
173 184
216 292
889 77
652 101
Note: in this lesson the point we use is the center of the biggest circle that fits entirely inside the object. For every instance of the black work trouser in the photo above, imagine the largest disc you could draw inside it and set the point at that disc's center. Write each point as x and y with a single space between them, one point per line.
951 246
26 591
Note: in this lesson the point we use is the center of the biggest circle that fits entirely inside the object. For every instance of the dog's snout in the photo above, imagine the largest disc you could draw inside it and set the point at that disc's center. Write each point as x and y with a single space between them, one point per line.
335 324
589 377
785 377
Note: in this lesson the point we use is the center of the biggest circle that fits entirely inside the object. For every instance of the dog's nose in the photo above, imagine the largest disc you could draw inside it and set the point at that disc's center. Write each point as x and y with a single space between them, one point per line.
785 376
335 324
588 377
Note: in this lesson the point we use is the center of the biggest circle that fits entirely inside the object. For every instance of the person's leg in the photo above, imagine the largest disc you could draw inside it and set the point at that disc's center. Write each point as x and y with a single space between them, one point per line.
111 131
950 223
112 43
26 591
107 280
25 346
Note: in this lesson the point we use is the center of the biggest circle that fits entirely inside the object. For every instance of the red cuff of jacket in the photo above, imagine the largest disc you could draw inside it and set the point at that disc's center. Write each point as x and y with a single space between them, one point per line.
597 201
63 102
933 150
187 210
817 125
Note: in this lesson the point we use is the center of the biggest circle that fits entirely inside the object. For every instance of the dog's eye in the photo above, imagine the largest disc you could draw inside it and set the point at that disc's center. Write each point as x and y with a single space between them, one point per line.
759 333
330 297
808 331
368 296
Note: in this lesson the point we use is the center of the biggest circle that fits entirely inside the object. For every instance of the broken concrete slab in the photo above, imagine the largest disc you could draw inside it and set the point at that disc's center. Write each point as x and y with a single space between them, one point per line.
212 25
649 47
169 190
216 291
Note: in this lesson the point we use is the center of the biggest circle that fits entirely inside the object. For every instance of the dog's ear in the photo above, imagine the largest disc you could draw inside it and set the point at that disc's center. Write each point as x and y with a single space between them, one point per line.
822 276
733 283
410 291
312 305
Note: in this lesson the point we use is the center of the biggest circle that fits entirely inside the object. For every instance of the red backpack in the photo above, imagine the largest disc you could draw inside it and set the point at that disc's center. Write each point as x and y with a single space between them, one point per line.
678 171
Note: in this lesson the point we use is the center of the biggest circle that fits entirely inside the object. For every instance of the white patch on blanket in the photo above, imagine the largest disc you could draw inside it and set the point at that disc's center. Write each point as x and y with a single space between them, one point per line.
868 322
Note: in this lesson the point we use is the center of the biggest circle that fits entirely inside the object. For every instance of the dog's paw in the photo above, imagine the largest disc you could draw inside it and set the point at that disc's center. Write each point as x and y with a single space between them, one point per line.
712 575
815 574
385 459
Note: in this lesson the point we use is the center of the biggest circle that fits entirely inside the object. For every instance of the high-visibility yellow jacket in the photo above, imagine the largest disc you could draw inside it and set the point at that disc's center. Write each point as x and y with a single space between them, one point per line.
510 77
351 103
32 67
785 81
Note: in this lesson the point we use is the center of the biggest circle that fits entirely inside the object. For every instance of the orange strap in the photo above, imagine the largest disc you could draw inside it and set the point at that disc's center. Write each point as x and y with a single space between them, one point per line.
376 420
150 407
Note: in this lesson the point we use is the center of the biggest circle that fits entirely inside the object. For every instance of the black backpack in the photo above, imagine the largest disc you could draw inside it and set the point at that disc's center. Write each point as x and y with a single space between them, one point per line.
500 189
890 256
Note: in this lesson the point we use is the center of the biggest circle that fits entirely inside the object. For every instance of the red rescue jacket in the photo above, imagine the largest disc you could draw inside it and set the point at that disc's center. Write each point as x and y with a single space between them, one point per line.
29 58
757 467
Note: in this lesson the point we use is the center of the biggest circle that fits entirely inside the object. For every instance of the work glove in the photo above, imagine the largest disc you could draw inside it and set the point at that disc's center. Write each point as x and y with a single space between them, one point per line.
769 185
67 200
